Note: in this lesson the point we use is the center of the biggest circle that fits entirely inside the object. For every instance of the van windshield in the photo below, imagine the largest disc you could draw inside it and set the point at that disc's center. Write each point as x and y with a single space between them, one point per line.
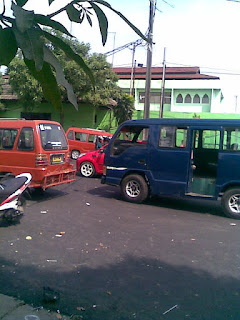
52 137
129 137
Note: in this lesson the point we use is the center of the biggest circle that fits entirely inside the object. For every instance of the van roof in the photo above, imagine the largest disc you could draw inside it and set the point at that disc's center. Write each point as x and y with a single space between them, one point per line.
184 122
21 122
102 132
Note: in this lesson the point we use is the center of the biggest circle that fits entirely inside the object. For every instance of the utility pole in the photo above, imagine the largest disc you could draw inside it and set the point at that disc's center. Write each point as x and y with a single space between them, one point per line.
133 67
163 86
149 62
114 38
134 71
236 104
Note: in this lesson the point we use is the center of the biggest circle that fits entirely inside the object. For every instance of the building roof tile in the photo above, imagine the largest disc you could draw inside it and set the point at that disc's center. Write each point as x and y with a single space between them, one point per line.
172 73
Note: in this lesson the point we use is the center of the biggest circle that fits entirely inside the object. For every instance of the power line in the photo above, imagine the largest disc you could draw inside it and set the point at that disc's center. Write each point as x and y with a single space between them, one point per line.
127 45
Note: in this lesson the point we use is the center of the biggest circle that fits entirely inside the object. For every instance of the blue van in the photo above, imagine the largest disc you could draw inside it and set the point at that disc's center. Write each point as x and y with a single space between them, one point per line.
179 157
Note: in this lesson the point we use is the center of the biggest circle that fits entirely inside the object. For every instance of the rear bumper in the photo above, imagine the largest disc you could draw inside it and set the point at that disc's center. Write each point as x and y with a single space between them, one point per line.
55 178
51 180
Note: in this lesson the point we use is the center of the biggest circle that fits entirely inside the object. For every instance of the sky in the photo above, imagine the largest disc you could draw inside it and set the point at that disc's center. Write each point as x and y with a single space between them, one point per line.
201 33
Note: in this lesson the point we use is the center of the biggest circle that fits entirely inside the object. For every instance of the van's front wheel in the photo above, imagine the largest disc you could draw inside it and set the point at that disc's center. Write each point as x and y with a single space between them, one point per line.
231 203
134 188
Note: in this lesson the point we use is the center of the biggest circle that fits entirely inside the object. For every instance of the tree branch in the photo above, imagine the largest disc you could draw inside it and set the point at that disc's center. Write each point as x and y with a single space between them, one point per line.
62 9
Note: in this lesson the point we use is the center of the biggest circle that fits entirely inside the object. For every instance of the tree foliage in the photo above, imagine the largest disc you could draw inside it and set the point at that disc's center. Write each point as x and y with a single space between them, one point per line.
25 31
28 88
106 91
124 109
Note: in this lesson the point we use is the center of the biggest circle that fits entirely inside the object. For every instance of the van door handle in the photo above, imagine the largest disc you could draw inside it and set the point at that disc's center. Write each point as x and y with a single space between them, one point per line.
142 162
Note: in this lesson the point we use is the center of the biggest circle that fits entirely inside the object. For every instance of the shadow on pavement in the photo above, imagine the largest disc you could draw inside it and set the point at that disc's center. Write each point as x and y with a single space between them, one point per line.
193 205
39 195
133 288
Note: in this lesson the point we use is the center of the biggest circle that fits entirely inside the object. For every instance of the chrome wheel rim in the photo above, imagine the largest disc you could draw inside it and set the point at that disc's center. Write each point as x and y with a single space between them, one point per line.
87 169
133 189
75 155
234 203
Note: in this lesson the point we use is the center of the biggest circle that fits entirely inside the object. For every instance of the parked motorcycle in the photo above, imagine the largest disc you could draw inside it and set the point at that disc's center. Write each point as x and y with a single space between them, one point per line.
11 190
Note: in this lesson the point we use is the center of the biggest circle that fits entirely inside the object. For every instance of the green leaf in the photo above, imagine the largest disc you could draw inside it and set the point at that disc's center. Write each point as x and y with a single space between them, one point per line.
21 3
31 44
44 20
103 22
89 19
24 18
51 59
8 46
50 2
48 83
104 3
73 13
70 54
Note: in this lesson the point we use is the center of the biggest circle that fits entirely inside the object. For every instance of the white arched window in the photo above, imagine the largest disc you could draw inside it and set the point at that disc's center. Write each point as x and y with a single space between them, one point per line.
188 99
196 99
205 99
179 98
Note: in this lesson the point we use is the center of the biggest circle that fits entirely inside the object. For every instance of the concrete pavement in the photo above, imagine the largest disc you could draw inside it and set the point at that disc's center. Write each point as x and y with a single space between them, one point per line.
13 309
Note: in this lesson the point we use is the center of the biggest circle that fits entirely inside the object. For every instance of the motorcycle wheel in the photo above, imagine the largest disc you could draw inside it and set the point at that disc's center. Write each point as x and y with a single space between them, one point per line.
10 215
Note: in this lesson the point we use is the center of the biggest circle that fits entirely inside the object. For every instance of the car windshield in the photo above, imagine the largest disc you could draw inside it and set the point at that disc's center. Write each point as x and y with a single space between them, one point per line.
52 137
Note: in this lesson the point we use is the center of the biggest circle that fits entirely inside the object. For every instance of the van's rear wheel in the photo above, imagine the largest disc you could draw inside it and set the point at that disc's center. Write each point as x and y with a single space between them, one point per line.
231 203
134 188
75 154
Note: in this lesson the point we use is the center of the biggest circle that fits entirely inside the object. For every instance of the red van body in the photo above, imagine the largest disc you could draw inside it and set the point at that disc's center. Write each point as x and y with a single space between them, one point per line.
36 146
83 140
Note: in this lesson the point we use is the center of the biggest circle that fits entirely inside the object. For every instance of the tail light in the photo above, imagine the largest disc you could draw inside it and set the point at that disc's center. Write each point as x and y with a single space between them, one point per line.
68 158
41 160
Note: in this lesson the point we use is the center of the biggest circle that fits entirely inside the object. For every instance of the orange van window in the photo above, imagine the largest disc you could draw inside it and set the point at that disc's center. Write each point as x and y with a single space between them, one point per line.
52 137
7 138
80 136
70 135
26 139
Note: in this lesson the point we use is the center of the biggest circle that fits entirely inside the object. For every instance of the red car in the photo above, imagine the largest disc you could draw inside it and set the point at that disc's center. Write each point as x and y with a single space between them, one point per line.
91 163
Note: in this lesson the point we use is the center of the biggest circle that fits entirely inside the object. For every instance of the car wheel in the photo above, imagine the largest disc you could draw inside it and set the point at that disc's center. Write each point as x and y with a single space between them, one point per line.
87 169
75 154
231 203
134 188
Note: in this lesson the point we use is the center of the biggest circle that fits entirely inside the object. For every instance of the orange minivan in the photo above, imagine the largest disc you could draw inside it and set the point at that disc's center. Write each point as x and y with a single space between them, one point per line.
82 140
36 146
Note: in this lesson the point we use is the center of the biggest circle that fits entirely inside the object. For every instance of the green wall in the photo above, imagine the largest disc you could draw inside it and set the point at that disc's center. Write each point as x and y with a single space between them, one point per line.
87 116
99 118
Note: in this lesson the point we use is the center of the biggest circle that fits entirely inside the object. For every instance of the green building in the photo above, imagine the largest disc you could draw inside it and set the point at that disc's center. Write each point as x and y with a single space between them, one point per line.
188 94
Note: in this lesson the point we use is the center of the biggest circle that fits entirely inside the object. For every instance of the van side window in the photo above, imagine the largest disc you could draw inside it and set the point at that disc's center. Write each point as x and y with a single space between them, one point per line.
70 135
26 139
7 138
81 136
210 139
173 137
91 138
129 137
231 139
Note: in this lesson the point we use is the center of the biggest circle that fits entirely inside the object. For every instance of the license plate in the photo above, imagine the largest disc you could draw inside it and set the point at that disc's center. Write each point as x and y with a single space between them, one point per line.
57 159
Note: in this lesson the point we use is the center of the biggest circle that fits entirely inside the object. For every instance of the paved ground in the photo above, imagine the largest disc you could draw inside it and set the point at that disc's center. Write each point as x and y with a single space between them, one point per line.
81 250
13 309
